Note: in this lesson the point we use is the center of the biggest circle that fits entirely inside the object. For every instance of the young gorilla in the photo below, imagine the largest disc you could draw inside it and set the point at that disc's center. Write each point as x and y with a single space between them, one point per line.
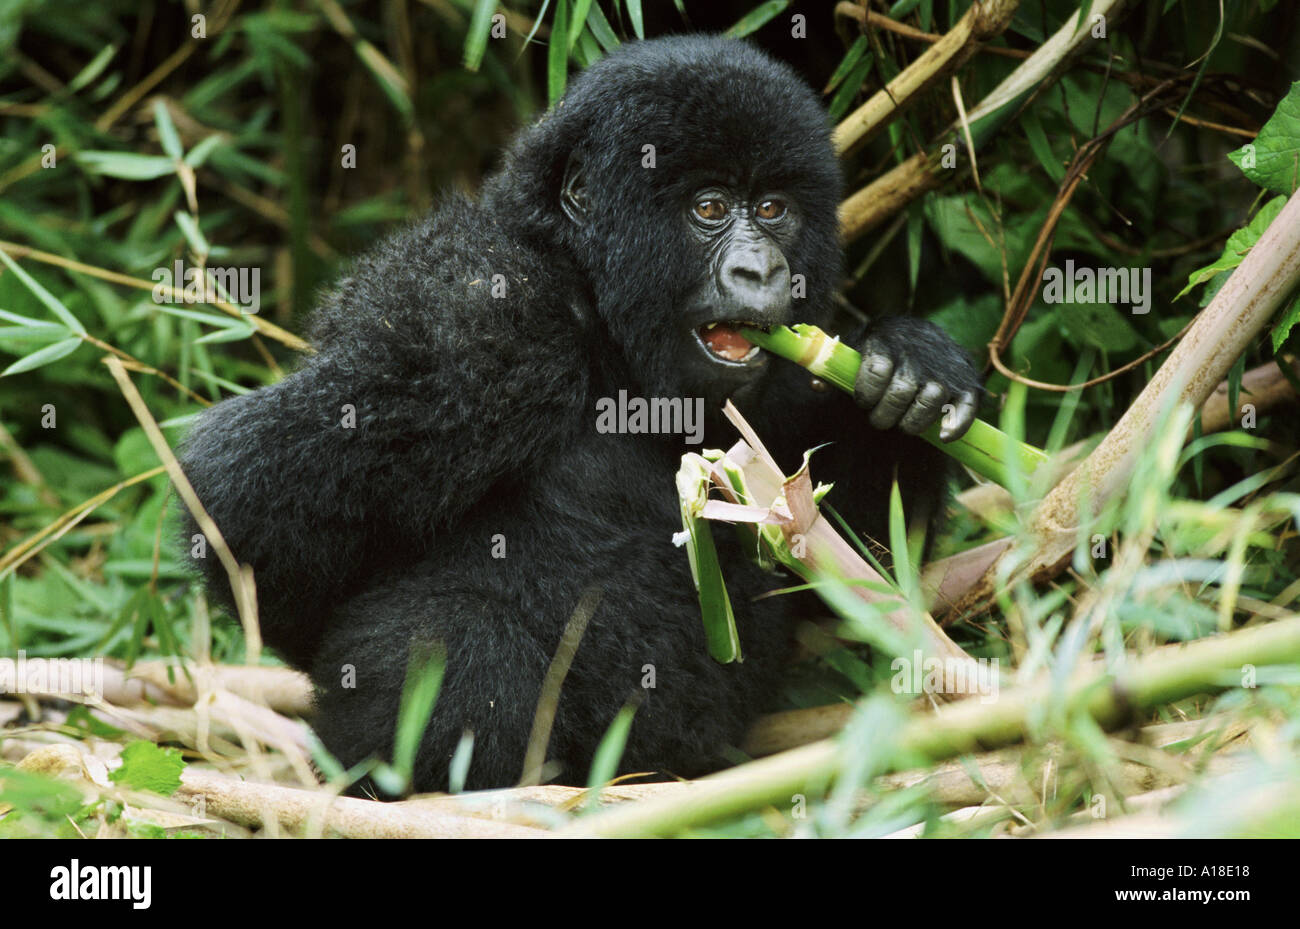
681 183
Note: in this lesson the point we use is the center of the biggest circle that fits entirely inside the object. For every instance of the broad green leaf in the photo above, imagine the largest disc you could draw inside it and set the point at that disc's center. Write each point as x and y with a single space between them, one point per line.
1098 324
1285 324
1272 160
145 766
1238 244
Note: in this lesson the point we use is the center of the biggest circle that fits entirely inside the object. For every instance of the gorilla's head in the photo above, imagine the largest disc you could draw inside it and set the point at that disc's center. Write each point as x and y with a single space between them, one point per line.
692 182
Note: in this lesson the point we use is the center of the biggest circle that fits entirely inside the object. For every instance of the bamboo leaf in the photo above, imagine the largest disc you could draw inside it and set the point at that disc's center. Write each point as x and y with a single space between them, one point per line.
125 165
715 605
167 137
755 19
557 53
601 29
44 356
604 764
635 14
480 26
56 306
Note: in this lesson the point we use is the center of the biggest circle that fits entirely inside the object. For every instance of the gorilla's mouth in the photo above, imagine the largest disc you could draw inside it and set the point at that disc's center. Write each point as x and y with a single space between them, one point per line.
723 341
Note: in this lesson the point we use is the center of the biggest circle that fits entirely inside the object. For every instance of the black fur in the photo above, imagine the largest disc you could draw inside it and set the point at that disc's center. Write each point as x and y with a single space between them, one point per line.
475 416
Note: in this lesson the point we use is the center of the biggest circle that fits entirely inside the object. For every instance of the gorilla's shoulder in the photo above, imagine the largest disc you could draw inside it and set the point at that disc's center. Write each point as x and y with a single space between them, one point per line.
454 271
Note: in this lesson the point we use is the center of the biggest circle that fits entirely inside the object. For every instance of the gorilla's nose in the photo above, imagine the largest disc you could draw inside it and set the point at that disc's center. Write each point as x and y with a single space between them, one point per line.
757 277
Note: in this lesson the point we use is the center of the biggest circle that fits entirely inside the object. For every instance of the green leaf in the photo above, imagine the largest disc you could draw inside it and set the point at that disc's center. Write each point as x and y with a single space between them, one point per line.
229 334
1238 245
1100 325
125 165
92 70
167 137
423 680
756 18
79 718
44 332
193 235
44 356
1041 148
196 156
557 53
581 9
1285 323
145 766
851 58
480 27
43 295
1272 160
720 632
635 14
604 764
601 28
843 98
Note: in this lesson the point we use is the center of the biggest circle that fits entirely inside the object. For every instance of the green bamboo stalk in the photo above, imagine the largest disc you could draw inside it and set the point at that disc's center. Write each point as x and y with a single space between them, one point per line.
1109 695
986 450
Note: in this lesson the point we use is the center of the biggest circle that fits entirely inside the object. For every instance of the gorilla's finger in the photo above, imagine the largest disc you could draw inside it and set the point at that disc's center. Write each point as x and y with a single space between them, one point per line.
925 409
960 418
899 396
873 379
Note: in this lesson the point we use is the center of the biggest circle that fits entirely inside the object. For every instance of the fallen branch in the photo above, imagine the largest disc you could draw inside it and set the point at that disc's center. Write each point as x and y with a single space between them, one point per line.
1109 695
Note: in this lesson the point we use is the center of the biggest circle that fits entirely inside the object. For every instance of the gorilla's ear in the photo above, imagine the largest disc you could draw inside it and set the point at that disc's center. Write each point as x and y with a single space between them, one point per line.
573 190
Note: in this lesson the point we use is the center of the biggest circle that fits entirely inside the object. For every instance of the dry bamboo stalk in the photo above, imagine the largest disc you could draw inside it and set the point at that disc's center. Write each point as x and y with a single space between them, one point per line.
1237 314
982 21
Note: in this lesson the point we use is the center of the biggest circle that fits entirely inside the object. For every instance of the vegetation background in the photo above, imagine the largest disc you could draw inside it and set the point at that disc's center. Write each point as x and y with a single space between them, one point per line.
134 134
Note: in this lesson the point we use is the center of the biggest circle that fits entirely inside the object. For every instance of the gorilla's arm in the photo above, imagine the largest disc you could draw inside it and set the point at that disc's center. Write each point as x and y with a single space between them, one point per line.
426 390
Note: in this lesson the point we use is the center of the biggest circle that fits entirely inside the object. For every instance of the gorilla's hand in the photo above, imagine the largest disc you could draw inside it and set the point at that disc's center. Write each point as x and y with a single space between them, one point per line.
911 369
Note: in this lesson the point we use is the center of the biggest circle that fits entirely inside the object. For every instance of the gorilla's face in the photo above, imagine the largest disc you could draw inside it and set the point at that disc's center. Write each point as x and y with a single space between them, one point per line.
692 182
743 238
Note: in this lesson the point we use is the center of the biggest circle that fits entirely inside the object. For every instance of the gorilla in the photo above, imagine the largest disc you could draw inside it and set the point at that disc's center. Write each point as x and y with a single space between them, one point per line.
433 475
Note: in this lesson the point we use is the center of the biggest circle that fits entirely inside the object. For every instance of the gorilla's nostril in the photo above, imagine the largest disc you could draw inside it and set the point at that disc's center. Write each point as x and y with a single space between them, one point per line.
755 269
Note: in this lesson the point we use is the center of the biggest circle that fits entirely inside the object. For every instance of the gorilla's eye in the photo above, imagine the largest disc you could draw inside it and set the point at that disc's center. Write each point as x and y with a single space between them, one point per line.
711 210
770 209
